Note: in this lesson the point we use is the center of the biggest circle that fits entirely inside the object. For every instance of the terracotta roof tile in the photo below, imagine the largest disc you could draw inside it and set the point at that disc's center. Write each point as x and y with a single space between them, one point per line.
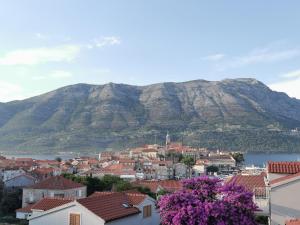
284 167
50 203
57 183
168 185
293 222
134 198
45 204
110 206
254 183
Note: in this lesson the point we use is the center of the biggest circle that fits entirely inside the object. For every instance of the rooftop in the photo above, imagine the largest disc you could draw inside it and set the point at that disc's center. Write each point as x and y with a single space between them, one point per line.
293 222
253 183
109 206
45 204
284 167
57 183
134 198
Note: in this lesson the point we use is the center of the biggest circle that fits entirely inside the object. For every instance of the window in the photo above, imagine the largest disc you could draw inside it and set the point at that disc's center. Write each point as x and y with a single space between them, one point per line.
74 219
147 211
79 193
59 195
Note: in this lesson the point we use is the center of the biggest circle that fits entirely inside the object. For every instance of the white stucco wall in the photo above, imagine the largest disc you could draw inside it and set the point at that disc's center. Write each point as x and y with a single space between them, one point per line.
154 219
61 217
37 194
285 202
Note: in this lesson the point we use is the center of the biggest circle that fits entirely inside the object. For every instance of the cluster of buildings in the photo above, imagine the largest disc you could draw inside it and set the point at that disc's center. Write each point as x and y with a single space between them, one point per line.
49 198
156 162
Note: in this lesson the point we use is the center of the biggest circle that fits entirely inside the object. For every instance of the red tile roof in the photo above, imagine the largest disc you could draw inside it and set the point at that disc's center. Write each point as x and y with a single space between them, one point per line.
110 206
45 204
50 203
134 198
285 178
57 183
284 167
168 185
293 222
26 209
254 183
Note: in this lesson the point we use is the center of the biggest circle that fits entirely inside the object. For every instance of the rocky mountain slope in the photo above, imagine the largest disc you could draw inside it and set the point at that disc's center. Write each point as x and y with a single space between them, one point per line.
230 114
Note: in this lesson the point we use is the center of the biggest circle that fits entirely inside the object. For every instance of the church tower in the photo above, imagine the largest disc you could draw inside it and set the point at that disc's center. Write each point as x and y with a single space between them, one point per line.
168 140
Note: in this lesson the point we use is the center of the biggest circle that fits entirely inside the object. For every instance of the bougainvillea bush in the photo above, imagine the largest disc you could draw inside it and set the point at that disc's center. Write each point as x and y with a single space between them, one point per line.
206 201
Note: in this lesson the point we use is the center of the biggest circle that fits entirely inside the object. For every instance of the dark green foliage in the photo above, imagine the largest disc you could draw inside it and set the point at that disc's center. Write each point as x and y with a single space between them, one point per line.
147 191
263 220
122 186
238 157
107 183
212 169
11 200
58 159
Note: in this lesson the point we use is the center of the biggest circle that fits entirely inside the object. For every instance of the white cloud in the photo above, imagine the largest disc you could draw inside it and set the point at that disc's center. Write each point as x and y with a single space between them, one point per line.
107 41
291 74
40 36
38 77
275 52
214 57
57 74
290 84
104 70
34 56
10 91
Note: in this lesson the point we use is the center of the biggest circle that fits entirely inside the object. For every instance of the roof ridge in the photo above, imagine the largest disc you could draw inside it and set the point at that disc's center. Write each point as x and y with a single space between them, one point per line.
284 178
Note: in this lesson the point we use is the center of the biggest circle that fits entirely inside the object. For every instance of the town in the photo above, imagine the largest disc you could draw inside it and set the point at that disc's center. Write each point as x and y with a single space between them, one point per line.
123 186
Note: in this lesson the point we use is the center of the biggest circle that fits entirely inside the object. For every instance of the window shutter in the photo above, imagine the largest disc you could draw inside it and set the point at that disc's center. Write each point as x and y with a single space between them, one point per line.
74 219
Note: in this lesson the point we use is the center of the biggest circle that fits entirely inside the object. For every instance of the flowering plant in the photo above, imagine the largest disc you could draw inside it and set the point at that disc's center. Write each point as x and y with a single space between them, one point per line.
206 201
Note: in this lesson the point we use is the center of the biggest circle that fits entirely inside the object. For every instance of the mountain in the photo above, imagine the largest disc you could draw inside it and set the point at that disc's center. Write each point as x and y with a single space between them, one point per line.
233 114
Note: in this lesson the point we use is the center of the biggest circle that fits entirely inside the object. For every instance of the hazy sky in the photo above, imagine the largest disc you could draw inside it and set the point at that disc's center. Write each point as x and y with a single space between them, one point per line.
51 43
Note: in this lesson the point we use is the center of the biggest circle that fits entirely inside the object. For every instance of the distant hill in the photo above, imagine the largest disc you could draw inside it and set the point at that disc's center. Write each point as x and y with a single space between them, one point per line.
237 114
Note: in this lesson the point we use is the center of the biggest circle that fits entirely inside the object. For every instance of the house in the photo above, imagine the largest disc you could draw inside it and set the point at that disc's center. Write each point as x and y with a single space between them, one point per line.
42 205
8 174
56 186
99 209
281 169
150 153
257 184
20 181
285 191
199 168
180 170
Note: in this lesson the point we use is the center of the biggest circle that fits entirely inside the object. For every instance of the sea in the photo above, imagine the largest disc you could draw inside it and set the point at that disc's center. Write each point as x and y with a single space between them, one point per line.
256 159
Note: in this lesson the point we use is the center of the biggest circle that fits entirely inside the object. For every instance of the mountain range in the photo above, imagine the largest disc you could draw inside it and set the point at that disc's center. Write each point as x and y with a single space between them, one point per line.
232 114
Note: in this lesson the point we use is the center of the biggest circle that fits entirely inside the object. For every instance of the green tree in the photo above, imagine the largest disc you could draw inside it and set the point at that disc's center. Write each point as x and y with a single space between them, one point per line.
212 169
189 162
238 157
58 159
122 186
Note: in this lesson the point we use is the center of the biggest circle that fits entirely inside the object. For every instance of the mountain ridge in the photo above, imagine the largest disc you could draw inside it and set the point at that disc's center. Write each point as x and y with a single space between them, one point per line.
216 114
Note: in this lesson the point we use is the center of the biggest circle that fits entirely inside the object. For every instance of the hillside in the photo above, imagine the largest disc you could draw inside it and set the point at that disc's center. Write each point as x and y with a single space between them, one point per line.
230 114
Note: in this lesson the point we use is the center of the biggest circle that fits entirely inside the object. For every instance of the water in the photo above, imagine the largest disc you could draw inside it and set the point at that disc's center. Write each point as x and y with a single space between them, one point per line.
262 159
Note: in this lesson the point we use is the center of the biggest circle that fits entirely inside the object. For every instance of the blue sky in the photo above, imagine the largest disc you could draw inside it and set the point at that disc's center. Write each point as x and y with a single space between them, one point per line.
52 43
